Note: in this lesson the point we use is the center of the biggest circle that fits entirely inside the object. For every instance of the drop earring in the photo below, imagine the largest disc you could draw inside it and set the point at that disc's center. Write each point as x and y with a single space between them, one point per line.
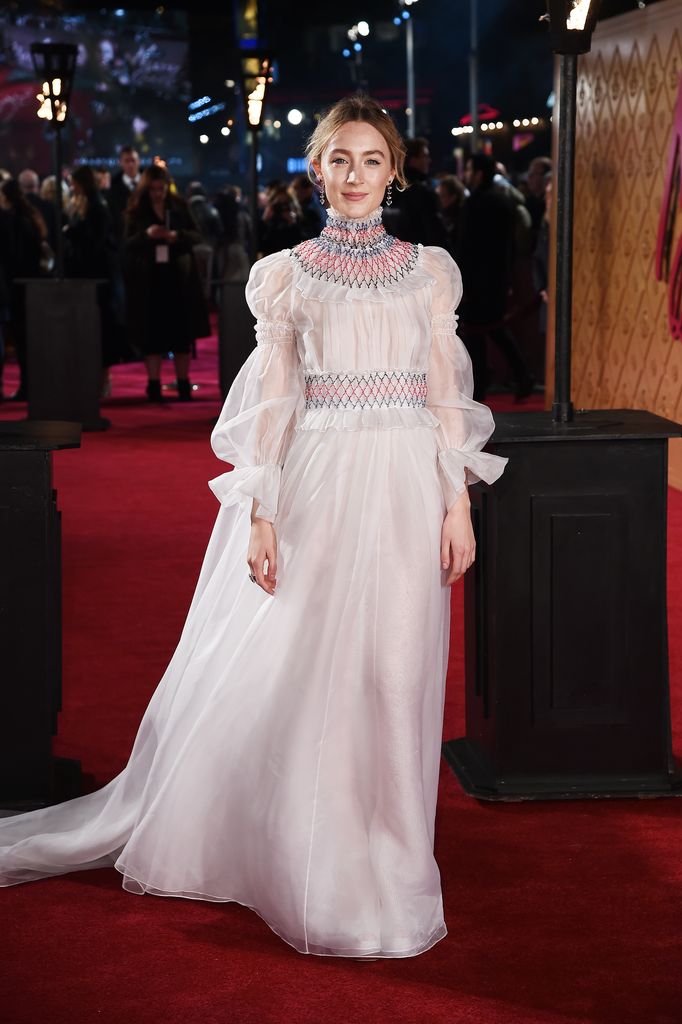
389 193
323 197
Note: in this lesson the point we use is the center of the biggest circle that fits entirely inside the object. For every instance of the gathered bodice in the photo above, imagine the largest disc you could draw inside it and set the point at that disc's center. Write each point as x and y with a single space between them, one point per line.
355 330
360 303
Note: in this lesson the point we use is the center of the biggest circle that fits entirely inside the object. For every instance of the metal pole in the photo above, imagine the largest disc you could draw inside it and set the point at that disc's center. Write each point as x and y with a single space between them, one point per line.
59 218
562 409
411 98
473 75
253 205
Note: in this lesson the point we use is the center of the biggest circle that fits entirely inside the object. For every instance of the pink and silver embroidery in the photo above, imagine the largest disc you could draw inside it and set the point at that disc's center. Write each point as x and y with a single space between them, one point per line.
373 389
357 253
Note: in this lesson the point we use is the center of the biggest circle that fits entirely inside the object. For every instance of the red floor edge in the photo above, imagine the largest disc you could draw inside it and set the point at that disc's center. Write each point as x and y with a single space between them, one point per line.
561 913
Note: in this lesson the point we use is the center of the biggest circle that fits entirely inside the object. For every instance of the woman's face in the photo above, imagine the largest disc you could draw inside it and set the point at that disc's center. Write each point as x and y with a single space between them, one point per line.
356 167
157 191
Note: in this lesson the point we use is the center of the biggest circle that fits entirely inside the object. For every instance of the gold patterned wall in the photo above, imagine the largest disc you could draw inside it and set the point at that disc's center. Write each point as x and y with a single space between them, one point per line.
624 354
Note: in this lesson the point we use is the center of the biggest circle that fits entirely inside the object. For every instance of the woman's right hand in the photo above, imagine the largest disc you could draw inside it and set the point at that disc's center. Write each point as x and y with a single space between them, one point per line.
262 548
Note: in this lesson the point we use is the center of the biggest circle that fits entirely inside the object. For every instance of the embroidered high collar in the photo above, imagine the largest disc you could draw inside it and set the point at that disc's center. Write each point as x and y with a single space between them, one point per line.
356 252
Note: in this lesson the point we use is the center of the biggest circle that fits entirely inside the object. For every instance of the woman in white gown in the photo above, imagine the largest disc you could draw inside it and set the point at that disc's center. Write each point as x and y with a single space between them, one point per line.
289 758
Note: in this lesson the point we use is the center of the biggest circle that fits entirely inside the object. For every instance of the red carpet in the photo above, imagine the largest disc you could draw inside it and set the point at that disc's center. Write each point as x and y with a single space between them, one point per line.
562 913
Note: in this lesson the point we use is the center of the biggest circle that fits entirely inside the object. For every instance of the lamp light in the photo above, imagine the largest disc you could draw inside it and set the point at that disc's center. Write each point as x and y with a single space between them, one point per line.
55 65
571 24
256 71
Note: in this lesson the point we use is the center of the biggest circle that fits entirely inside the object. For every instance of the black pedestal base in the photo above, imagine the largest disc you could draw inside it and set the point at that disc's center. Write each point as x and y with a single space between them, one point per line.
566 656
64 352
30 617
479 781
236 338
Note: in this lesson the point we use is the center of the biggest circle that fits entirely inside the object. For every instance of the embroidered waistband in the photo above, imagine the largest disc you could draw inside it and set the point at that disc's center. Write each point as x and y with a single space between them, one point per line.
369 390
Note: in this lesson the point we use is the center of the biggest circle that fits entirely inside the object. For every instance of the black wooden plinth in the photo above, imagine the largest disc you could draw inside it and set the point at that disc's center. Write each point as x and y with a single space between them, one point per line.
30 616
64 351
565 613
236 338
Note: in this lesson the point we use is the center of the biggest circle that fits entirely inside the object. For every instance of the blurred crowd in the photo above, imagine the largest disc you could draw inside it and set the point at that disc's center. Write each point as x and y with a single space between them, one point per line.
497 230
160 256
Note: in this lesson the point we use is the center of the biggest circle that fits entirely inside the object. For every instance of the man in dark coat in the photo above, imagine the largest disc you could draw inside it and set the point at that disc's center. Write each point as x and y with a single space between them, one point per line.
485 254
29 183
123 184
414 215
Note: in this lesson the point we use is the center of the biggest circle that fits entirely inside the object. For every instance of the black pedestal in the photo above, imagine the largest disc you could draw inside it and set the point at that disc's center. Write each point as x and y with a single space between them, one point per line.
565 613
236 338
30 616
64 351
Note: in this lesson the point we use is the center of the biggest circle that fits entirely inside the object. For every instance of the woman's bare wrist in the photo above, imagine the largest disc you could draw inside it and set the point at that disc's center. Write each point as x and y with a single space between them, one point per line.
462 502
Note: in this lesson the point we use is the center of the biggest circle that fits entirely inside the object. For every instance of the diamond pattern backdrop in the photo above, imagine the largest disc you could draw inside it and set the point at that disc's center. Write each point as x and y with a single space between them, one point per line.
623 352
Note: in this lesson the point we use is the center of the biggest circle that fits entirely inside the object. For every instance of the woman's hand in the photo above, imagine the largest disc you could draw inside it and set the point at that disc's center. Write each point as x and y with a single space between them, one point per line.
457 545
156 231
262 548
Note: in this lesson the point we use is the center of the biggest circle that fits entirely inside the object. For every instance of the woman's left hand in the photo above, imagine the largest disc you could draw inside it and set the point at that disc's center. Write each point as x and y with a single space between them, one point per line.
457 545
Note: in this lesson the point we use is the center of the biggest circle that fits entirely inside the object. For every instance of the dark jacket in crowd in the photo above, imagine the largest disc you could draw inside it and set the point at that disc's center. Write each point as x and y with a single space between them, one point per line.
166 308
4 280
20 253
207 219
313 219
47 211
91 251
279 233
414 215
21 249
485 255
541 269
90 247
117 198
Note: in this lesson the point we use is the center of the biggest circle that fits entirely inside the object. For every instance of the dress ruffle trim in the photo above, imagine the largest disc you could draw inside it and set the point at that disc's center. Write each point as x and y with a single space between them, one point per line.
312 287
363 419
468 467
241 486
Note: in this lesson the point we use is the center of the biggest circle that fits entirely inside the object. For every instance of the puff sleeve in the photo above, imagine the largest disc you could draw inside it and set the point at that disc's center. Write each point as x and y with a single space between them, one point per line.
256 424
464 425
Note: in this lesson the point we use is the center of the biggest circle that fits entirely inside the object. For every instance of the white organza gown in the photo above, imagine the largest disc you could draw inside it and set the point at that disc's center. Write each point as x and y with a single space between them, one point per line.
289 758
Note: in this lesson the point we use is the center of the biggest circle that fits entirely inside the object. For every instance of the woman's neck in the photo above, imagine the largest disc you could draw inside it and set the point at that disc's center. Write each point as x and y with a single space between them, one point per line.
354 232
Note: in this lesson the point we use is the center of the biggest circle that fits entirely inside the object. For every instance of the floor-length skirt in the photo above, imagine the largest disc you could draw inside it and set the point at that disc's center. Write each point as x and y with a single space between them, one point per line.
289 758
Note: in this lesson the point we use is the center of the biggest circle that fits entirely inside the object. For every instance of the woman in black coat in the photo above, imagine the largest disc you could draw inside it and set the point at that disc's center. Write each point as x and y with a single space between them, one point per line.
91 251
166 308
23 233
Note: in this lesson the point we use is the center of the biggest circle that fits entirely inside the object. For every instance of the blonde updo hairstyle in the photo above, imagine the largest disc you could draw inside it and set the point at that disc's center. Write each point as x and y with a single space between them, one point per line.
356 108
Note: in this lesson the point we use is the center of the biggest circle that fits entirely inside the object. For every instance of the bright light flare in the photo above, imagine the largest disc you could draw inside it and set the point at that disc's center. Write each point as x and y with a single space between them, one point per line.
578 16
254 101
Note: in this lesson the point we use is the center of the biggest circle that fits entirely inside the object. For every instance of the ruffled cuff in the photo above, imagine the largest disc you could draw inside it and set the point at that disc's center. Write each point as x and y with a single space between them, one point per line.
458 468
241 486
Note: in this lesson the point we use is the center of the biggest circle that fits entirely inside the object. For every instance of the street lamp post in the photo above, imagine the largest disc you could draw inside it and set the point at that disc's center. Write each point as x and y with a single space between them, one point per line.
473 75
256 72
571 27
55 65
410 109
